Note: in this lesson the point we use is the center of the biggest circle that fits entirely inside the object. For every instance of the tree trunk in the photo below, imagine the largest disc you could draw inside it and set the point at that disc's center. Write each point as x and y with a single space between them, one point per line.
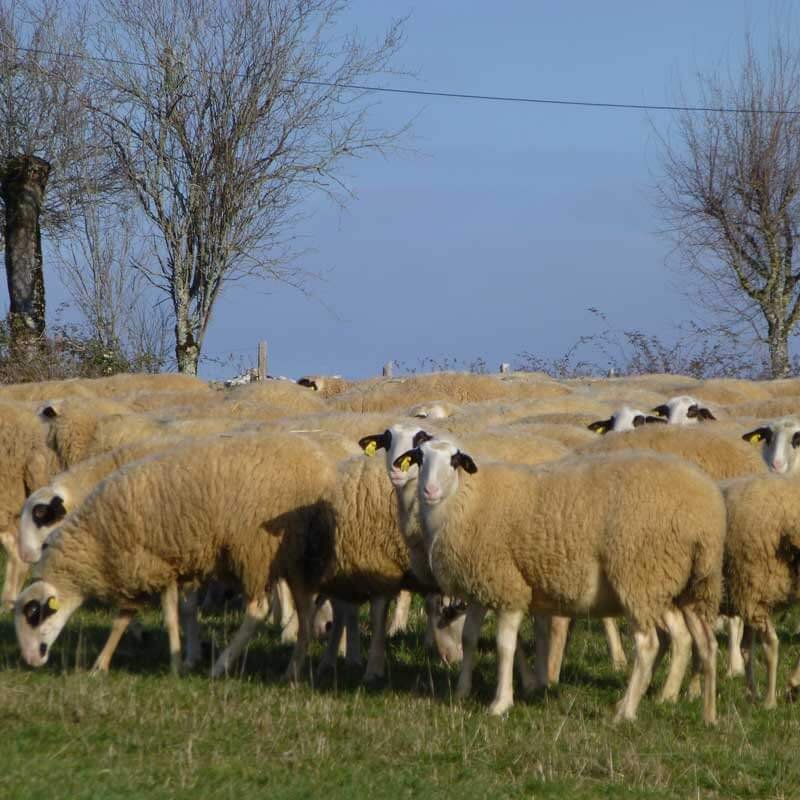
187 353
778 351
22 187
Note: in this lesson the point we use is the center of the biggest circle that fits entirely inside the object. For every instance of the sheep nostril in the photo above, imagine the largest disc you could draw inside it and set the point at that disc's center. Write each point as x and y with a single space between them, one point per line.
42 649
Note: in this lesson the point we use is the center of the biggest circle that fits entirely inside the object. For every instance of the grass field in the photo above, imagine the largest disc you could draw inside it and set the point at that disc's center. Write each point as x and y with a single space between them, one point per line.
141 733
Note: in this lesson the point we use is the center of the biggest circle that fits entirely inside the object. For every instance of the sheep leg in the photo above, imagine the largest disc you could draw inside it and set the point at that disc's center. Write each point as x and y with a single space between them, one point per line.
376 660
559 633
399 621
433 609
188 612
681 654
352 634
469 645
619 661
448 638
748 653
646 643
328 660
288 620
16 570
169 607
256 611
770 643
735 659
706 644
542 627
304 607
118 627
508 623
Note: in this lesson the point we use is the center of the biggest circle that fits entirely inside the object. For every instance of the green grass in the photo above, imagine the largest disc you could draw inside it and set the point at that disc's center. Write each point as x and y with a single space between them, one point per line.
140 733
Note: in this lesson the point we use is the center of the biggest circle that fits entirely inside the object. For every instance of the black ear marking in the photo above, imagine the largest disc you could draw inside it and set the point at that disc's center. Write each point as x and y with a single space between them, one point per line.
662 410
648 420
420 437
378 441
703 414
465 462
758 435
48 412
602 425
49 513
796 440
309 383
639 420
404 461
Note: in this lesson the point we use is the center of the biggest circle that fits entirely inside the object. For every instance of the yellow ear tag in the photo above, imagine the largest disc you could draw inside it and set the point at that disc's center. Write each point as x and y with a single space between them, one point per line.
405 464
756 437
600 430
371 448
52 604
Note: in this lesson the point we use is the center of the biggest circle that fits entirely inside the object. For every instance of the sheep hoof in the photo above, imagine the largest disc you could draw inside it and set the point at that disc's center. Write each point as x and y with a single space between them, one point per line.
620 666
695 688
734 671
500 707
374 682
770 703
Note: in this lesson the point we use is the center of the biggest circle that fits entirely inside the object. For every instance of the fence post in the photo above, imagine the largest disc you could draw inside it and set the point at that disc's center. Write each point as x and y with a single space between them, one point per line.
387 369
262 361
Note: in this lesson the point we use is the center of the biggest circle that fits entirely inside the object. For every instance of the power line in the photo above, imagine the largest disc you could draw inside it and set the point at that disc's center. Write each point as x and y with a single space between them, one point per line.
452 95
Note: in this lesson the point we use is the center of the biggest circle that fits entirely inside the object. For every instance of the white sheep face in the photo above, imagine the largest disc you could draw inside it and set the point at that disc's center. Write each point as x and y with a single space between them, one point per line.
683 410
39 615
624 419
780 444
395 441
42 513
439 464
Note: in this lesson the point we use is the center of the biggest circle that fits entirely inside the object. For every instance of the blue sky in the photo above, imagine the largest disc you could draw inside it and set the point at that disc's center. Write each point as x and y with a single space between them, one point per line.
507 221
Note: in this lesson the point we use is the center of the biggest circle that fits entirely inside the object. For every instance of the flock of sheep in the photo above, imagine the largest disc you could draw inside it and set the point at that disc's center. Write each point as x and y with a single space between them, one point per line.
659 498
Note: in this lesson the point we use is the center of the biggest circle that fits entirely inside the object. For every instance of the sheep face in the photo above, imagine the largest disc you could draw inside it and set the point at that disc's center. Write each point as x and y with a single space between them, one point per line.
396 441
39 615
439 463
780 441
42 513
429 411
625 419
683 410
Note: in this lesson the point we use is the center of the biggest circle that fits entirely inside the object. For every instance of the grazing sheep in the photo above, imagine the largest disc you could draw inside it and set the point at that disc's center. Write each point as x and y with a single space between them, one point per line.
624 419
634 534
683 410
762 553
235 504
326 385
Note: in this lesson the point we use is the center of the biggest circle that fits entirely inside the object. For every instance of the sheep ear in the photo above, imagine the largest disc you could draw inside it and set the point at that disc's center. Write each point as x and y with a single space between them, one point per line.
48 412
639 420
704 414
648 419
662 411
404 462
465 462
309 383
420 437
602 425
371 444
758 435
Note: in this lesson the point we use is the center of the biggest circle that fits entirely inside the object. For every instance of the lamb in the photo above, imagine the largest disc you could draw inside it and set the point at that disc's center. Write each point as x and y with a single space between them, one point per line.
683 410
761 558
644 537
234 504
624 419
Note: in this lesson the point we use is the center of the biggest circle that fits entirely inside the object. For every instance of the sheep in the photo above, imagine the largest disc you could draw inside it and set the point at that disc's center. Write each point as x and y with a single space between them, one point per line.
762 552
624 419
395 394
634 534
435 409
285 397
683 410
236 503
780 440
326 385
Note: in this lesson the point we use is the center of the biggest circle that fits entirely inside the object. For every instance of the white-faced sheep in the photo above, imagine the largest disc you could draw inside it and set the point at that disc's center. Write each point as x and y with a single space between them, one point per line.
683 410
235 504
326 385
623 419
780 440
634 534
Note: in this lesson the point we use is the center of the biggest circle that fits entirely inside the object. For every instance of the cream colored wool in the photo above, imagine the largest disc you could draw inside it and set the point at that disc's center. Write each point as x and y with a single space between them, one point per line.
761 556
727 391
788 406
718 455
193 402
516 447
45 390
326 385
663 384
348 424
435 409
235 504
570 436
284 396
783 387
631 533
396 394
25 464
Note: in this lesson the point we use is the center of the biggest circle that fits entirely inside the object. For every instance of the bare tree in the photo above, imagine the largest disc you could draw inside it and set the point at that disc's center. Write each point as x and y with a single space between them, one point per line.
45 138
223 116
730 192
